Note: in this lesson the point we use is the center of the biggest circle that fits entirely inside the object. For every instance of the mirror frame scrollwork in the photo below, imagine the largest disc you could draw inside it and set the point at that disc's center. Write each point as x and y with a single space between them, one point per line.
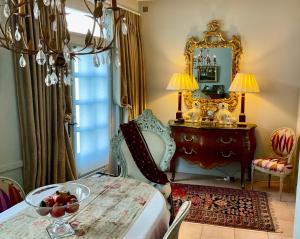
213 38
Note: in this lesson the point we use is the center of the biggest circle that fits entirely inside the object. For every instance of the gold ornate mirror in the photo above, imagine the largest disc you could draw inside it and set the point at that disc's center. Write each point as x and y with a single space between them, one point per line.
213 61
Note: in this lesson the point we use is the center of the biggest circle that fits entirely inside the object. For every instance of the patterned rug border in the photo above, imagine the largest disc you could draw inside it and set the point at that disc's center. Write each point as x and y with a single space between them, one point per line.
268 198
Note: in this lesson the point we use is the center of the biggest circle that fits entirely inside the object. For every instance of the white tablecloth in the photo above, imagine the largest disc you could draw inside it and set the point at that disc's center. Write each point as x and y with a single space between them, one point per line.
152 223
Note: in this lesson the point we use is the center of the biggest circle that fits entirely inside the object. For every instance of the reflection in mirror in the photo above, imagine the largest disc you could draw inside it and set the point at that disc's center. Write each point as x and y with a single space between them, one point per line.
212 69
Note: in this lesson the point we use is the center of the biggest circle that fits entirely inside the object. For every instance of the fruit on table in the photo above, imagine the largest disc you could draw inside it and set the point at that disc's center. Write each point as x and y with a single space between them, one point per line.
58 210
72 205
58 204
49 201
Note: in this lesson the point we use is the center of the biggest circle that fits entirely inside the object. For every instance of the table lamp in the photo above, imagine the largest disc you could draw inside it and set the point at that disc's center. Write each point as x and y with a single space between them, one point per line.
244 83
180 82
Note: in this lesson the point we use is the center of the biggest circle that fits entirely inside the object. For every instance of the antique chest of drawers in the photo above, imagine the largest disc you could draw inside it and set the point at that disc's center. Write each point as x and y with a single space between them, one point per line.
211 147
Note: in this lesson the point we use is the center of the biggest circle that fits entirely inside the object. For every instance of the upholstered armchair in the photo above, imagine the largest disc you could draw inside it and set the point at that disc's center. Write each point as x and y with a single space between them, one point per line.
283 142
160 143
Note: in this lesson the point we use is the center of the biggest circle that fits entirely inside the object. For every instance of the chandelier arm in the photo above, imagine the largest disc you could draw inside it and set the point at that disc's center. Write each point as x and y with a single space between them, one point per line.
87 6
42 33
116 21
87 44
13 2
2 31
13 46
93 52
109 46
23 40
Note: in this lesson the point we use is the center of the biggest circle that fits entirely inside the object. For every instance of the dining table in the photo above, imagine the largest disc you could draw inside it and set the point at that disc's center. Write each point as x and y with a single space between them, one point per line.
117 208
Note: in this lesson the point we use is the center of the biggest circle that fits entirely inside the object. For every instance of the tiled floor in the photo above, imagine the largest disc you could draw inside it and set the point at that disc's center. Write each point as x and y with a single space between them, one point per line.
283 212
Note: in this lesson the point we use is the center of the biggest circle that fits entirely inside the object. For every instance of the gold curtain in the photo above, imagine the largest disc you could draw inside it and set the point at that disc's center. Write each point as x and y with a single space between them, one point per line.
46 149
133 83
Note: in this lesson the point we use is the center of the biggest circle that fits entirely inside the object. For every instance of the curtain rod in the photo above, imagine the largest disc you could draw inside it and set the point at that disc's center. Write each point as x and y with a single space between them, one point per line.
120 6
129 10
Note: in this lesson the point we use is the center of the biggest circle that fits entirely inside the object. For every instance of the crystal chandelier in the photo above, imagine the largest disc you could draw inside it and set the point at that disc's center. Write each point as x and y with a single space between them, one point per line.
52 50
205 62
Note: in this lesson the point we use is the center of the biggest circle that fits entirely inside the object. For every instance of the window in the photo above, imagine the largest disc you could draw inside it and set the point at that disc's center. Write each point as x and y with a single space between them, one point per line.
91 107
91 103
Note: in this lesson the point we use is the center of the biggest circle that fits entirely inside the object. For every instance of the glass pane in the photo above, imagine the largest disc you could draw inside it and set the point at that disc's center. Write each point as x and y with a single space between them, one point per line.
91 109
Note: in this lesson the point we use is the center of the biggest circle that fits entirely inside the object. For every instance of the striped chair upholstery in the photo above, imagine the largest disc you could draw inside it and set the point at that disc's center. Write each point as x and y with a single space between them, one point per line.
274 164
11 193
283 142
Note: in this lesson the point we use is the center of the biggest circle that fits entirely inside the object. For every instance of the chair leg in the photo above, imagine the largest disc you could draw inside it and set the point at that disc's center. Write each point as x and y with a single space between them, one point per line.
281 187
252 177
269 182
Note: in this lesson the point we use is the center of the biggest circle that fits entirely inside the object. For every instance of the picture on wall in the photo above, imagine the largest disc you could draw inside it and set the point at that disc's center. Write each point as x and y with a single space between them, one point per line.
207 74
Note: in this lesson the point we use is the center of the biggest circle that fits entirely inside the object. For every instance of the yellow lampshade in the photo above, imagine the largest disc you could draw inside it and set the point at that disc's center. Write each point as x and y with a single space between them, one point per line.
244 83
182 81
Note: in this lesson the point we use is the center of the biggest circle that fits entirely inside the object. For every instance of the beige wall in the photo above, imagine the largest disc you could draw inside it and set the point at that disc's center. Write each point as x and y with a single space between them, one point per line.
270 33
10 148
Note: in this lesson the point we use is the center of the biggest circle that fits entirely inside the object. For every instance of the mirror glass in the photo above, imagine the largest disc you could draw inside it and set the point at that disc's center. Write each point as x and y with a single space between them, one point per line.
212 69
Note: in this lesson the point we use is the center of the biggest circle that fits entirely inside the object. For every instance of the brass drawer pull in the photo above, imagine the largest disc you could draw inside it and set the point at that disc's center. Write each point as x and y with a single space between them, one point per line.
229 141
188 140
228 155
190 152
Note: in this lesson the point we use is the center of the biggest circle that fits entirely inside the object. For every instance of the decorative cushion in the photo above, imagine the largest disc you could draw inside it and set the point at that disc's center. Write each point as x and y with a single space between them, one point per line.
274 164
283 141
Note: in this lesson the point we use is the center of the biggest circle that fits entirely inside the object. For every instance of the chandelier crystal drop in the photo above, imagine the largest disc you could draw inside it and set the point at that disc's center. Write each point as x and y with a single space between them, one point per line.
17 34
53 49
48 80
36 11
107 60
96 60
47 2
53 78
124 27
22 61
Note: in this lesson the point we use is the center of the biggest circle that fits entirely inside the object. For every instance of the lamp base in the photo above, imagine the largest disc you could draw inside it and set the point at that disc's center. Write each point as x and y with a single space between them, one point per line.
179 118
242 118
179 121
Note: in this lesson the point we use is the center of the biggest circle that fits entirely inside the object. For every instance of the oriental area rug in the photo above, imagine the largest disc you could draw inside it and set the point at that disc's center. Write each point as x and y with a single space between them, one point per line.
224 206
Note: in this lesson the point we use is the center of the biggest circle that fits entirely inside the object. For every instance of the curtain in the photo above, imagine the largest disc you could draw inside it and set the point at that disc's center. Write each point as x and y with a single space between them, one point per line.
133 83
43 111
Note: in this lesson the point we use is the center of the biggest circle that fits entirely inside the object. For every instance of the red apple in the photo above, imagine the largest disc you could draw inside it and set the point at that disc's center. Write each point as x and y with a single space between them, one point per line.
72 196
58 198
49 201
65 196
72 206
58 210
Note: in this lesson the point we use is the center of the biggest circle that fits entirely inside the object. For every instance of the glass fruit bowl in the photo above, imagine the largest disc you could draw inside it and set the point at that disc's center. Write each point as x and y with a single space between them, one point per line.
58 201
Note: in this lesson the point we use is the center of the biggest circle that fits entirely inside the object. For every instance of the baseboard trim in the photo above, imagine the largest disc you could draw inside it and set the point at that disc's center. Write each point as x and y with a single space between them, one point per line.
9 166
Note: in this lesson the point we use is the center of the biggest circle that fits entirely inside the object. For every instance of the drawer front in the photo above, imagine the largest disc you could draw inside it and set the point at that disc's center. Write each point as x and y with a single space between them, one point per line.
214 138
223 139
186 135
209 147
